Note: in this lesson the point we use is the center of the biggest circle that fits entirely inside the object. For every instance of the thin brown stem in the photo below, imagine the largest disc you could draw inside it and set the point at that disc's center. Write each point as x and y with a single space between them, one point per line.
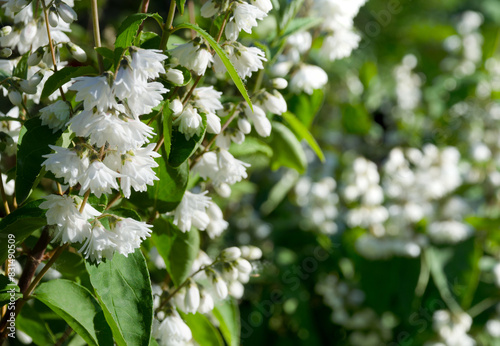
85 199
51 45
113 200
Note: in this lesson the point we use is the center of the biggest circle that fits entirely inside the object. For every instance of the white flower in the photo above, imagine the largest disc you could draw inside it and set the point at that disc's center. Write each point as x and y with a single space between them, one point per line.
207 99
220 287
206 302
192 298
55 115
308 78
189 121
135 167
193 57
245 16
340 44
230 170
147 63
449 232
94 92
119 132
259 119
207 165
71 225
173 330
274 103
209 9
213 123
175 76
176 106
230 254
66 164
130 234
99 179
217 223
144 97
263 5
192 211
245 59
99 244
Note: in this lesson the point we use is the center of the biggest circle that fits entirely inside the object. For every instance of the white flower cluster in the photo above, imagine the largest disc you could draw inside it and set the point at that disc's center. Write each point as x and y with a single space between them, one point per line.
365 326
452 329
204 289
318 201
340 38
407 84
122 235
466 46
111 147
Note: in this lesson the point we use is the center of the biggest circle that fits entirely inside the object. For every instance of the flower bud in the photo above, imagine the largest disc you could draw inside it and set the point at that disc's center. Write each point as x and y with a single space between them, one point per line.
223 190
192 298
53 17
230 254
280 83
175 76
251 252
244 125
206 302
238 137
262 126
36 57
236 289
5 52
78 53
176 106
179 299
229 272
66 12
15 97
6 30
243 266
220 287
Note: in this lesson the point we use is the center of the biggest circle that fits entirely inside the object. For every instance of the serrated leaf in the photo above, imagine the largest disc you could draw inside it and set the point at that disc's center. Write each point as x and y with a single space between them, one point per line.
182 148
222 55
178 249
76 305
228 315
128 29
123 287
287 150
35 143
204 333
303 133
63 76
21 223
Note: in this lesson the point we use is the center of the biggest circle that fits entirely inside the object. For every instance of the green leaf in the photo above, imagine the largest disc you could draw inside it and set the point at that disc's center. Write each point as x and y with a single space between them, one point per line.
279 191
181 148
167 129
287 150
125 212
303 133
78 308
63 76
149 40
8 290
34 144
106 52
305 107
301 24
177 249
222 55
228 316
204 333
128 30
251 146
21 68
123 287
180 5
30 322
21 223
288 13
356 119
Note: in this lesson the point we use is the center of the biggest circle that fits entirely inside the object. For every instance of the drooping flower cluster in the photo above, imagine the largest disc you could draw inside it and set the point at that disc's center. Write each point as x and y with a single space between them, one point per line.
205 288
